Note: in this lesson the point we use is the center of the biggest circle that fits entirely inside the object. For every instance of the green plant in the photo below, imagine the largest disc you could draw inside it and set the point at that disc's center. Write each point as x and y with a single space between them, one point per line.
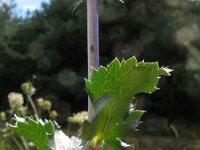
121 81
111 90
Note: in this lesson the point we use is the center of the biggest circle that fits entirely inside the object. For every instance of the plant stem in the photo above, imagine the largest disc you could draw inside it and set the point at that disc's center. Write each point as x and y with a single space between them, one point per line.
32 105
93 42
95 146
25 143
69 128
17 143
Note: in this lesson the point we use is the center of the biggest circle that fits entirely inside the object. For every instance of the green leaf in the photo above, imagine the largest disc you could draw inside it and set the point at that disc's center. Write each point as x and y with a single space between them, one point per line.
133 120
123 80
98 105
35 131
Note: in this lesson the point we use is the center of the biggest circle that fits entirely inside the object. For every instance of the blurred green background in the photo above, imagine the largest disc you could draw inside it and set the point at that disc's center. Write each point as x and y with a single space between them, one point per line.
49 47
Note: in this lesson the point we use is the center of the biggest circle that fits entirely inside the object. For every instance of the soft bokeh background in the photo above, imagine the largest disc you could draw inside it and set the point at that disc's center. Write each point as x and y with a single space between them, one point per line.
48 47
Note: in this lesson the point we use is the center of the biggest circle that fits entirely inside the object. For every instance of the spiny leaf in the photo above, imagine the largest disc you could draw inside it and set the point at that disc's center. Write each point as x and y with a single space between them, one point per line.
35 131
133 120
123 80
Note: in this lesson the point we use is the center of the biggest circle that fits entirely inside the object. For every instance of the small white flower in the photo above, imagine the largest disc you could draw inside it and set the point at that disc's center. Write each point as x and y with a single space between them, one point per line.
60 141
78 118
15 100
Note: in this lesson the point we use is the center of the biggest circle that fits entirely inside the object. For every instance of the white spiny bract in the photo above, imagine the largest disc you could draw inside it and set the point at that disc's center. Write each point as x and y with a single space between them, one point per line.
60 141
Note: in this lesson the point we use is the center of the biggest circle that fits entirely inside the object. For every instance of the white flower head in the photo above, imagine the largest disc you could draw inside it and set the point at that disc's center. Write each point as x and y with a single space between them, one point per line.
78 118
15 100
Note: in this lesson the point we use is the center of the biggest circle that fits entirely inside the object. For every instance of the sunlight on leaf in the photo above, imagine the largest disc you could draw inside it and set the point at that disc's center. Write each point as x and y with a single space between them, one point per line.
123 80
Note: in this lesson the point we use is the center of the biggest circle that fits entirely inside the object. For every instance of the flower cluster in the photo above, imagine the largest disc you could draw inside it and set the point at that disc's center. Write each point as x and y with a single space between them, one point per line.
15 100
78 118
28 88
44 104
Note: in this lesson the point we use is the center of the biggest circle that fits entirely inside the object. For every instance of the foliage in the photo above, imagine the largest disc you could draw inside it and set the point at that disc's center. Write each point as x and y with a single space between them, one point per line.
35 131
111 89
165 31
112 118
121 80
152 30
43 134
